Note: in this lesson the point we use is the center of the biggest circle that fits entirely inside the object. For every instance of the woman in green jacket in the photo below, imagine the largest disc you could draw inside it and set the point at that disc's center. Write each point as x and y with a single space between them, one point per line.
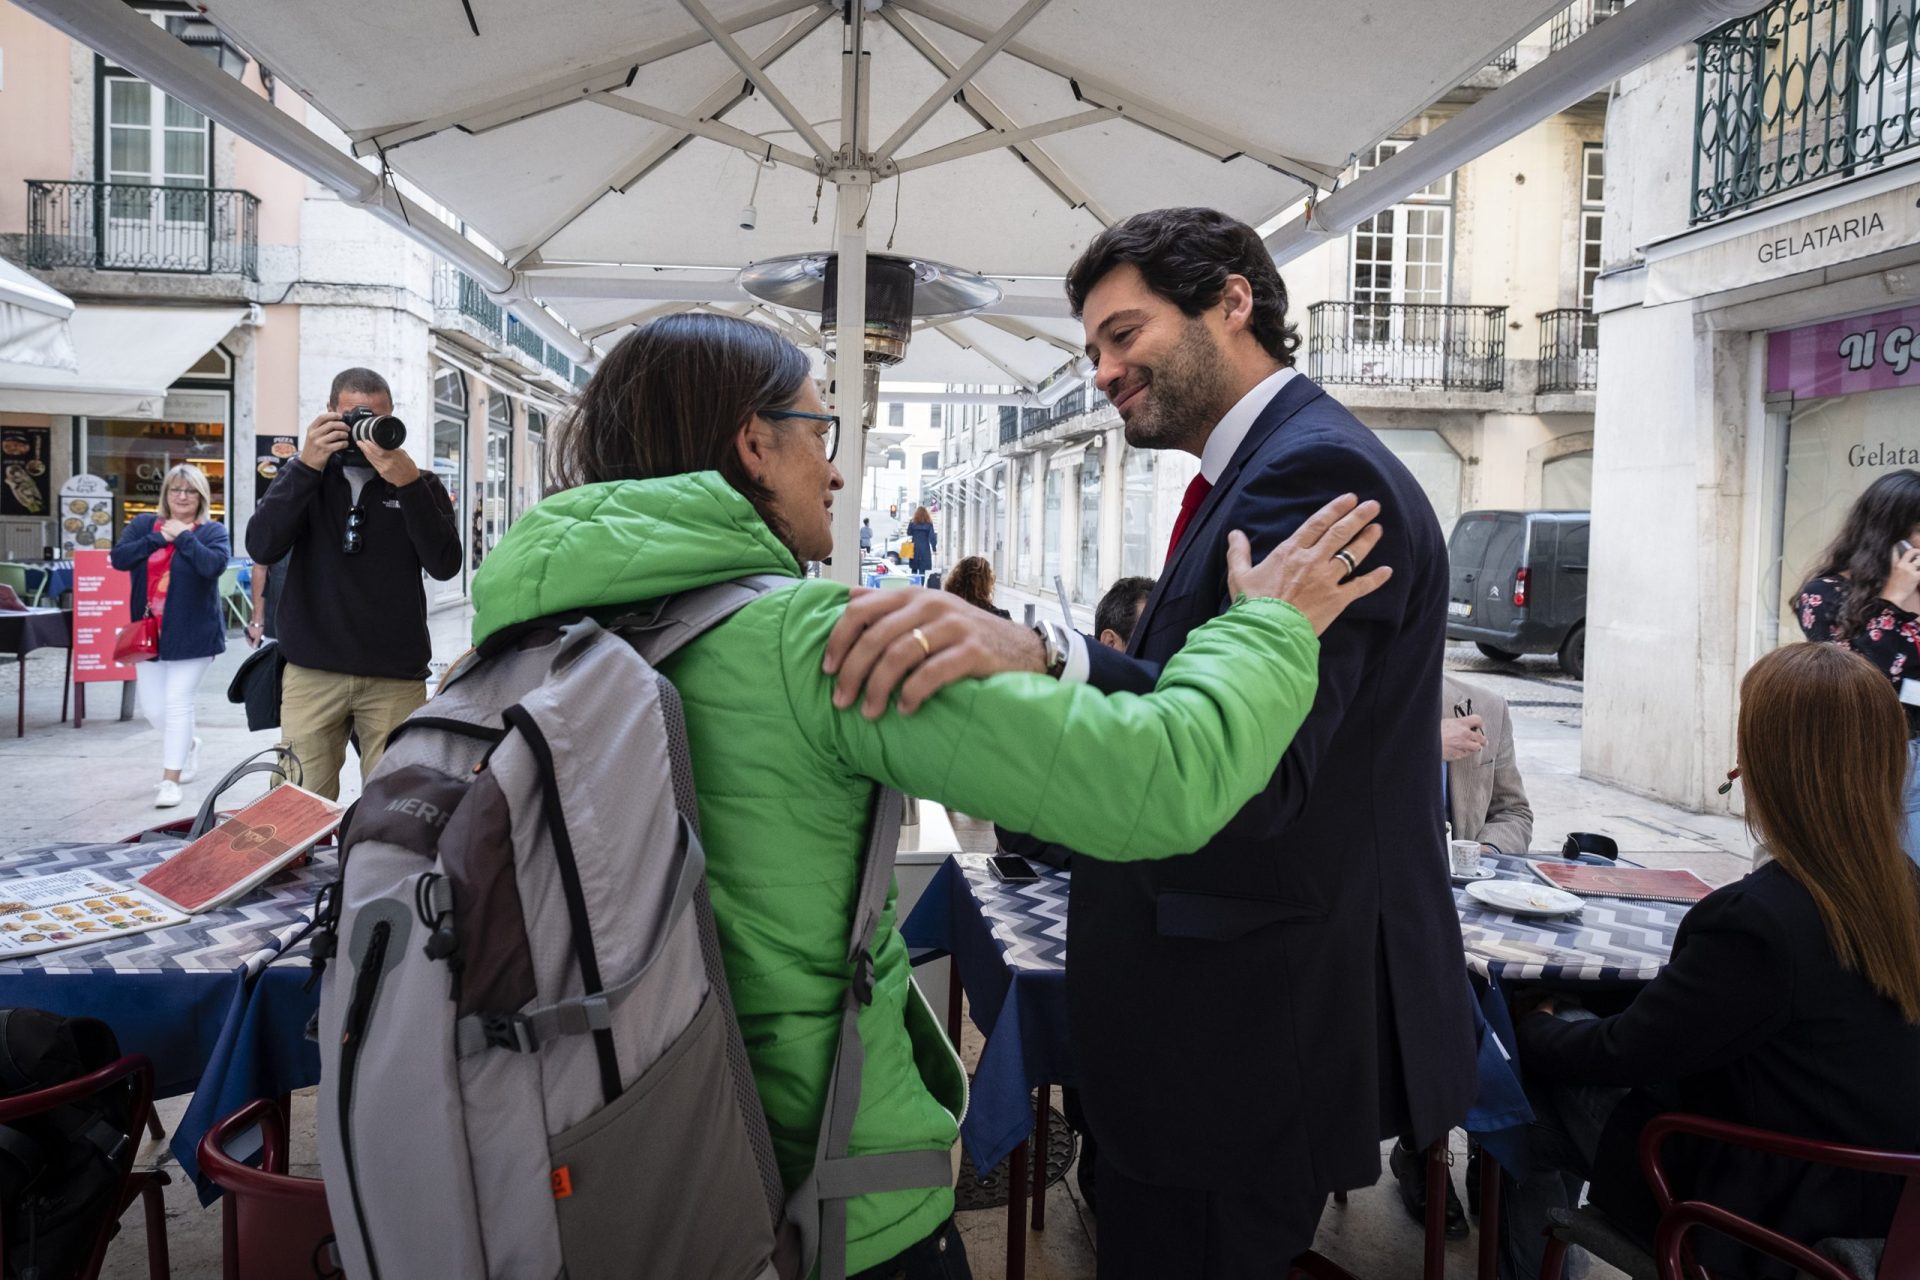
700 453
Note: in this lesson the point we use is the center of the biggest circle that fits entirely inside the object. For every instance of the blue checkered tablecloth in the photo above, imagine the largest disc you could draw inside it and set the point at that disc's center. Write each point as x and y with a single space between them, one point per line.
202 999
1609 941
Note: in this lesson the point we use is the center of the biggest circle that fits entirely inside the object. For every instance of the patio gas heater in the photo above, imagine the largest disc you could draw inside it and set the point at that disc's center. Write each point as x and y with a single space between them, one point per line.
899 293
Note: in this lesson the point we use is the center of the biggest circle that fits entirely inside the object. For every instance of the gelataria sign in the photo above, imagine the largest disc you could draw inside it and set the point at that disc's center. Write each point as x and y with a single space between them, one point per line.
1873 225
1840 357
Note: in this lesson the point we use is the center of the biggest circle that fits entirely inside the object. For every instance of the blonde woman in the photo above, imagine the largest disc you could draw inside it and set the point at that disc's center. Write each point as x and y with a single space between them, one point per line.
176 558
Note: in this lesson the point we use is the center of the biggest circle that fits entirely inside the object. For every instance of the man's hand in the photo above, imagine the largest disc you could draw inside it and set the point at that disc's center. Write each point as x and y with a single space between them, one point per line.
395 466
873 648
326 436
1462 736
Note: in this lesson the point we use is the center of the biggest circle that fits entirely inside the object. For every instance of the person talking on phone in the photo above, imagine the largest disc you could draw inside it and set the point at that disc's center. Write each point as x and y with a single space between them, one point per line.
1865 595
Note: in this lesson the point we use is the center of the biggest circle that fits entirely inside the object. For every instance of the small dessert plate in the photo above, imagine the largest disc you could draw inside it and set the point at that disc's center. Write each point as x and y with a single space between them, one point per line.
1524 899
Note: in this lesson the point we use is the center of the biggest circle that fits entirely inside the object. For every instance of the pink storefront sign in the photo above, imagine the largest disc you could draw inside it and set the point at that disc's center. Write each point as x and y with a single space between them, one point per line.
1840 357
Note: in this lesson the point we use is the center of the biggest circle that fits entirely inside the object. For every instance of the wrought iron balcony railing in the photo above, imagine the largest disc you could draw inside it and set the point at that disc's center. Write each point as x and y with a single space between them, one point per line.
1509 60
138 226
1577 19
454 290
525 339
1569 350
1799 92
1408 344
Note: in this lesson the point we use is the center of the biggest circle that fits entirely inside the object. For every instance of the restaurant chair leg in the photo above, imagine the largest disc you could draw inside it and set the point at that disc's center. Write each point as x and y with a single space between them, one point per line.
66 692
1490 1225
1435 1246
154 1205
1553 1258
953 1001
154 1126
1017 1211
1042 1126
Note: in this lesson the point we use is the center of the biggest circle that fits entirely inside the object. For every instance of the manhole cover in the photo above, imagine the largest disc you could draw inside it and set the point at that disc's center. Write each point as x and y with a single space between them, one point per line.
971 1191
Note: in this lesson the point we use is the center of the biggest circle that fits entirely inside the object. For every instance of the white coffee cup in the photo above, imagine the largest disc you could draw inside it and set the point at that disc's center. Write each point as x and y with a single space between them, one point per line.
1464 855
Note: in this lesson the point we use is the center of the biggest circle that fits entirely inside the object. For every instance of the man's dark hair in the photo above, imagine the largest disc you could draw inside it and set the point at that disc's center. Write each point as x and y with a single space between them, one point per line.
1120 607
1185 256
361 382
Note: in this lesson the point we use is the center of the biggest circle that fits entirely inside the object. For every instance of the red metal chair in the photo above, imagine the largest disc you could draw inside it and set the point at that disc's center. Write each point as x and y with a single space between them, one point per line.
272 1224
1899 1253
135 1073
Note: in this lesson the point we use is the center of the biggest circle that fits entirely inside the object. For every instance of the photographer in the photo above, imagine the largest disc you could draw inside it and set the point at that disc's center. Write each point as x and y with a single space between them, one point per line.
363 522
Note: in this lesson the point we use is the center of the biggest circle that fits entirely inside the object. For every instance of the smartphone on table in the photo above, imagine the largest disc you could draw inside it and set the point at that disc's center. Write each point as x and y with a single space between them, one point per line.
1010 868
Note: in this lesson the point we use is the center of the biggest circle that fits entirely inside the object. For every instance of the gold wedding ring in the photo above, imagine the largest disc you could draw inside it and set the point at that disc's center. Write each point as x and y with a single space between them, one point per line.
925 648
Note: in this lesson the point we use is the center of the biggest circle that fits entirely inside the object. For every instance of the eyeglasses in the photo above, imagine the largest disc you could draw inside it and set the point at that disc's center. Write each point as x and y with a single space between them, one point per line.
832 419
352 540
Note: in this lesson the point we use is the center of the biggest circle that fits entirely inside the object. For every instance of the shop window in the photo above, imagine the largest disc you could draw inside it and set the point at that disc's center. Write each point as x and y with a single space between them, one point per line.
1086 583
1050 534
495 512
996 539
1566 483
1136 539
449 448
1023 518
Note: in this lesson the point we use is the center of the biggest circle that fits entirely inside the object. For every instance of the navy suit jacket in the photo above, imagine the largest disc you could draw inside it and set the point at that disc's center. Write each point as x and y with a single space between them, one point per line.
1277 1003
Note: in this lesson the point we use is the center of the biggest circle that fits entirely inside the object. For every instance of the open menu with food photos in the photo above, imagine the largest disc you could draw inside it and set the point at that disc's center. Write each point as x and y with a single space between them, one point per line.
1653 884
80 905
240 853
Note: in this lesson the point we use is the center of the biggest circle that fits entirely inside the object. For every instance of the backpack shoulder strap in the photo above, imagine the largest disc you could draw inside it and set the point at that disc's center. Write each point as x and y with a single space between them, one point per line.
670 624
818 1207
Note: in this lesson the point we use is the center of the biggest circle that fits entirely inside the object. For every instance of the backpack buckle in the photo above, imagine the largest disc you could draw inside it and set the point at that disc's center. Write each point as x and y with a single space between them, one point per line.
508 1031
861 988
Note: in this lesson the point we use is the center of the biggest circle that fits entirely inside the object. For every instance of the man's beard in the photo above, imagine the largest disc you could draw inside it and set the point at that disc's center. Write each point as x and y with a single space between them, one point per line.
1187 395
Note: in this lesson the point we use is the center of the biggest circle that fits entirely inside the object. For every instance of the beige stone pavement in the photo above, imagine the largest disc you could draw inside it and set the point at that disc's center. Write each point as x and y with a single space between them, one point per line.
58 784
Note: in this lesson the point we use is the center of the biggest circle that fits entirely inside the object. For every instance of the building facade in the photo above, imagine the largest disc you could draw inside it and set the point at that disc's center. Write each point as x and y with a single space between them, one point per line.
1757 305
218 292
1457 324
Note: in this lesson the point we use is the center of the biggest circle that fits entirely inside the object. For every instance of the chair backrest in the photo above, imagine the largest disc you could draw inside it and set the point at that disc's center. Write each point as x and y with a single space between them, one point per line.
272 1224
15 576
133 1071
229 582
1900 1257
895 581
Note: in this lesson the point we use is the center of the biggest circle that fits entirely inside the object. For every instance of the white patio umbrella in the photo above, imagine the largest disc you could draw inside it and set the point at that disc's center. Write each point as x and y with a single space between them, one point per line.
615 145
33 323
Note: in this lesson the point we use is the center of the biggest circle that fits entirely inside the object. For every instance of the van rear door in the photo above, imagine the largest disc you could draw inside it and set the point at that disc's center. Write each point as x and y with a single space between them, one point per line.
1481 557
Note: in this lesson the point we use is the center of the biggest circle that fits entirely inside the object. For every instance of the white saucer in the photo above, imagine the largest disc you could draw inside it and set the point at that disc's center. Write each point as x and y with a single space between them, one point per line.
1481 872
1524 898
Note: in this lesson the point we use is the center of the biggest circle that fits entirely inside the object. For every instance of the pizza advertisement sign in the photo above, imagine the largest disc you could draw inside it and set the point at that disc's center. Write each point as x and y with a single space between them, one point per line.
86 515
26 480
102 605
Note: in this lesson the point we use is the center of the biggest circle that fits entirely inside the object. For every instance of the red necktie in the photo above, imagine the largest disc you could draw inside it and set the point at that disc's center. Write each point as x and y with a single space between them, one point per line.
1196 494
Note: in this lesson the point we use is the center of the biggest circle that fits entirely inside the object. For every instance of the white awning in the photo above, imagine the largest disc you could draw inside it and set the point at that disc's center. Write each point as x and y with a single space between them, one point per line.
126 358
33 323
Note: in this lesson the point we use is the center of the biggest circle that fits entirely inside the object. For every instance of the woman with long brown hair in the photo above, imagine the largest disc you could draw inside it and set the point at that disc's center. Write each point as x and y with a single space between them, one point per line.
925 540
1791 1003
972 581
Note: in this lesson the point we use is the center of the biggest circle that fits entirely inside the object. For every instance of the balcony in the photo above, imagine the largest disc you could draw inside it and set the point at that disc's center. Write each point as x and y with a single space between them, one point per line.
1569 351
134 226
1402 344
459 297
1801 92
1577 19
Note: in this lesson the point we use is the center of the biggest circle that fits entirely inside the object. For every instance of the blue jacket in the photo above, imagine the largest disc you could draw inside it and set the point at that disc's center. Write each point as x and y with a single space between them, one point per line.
193 626
925 543
1246 1011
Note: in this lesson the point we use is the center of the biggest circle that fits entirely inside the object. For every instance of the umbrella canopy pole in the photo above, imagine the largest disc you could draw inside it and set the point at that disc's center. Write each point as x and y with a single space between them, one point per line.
849 373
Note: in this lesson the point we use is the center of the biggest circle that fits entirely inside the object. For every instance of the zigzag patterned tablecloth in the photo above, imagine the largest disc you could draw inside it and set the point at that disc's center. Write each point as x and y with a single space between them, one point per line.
200 999
1029 921
1611 940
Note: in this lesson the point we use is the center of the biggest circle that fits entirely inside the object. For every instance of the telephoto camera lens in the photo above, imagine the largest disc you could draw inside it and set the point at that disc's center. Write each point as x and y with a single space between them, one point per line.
363 424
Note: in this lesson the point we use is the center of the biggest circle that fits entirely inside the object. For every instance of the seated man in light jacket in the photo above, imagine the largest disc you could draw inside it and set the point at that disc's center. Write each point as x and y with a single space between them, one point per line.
1485 797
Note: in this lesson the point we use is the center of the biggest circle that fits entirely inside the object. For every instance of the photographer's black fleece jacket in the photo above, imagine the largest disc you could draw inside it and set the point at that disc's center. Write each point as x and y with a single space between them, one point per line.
365 614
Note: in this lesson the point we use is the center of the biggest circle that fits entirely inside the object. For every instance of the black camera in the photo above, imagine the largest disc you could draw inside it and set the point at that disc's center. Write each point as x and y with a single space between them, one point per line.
363 424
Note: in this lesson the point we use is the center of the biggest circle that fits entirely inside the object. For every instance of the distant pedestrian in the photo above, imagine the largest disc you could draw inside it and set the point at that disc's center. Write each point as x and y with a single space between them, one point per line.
267 582
972 581
176 557
925 540
866 536
1865 594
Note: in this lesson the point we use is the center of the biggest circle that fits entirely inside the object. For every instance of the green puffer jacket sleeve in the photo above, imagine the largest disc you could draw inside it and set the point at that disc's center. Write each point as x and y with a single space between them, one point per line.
1115 776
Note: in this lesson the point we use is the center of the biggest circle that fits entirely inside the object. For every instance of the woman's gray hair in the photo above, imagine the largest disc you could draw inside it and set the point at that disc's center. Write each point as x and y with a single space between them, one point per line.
195 477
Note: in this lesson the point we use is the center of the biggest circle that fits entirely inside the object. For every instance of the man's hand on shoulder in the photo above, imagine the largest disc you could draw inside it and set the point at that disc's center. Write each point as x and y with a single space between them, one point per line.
874 650
395 466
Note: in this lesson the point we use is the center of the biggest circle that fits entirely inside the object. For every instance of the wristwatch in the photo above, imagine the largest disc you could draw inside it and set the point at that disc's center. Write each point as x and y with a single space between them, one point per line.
1053 642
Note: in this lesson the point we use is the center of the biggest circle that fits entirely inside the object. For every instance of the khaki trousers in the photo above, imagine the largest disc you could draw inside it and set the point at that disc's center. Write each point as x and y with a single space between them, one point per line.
317 708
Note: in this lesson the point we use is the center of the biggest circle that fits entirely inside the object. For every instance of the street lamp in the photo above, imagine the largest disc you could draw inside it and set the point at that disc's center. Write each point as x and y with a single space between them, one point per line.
198 33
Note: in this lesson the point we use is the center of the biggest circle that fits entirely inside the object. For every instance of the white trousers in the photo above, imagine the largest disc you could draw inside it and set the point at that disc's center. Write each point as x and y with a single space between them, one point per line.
166 691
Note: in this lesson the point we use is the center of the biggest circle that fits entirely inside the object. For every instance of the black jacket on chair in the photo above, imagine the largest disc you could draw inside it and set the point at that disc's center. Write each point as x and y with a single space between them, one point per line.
1753 1021
1295 991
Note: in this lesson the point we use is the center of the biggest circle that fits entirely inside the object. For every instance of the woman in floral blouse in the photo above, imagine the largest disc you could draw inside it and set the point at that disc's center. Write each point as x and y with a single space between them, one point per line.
1866 595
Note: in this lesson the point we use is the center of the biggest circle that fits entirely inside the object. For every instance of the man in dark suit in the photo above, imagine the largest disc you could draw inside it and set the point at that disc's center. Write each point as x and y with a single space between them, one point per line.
1249 1022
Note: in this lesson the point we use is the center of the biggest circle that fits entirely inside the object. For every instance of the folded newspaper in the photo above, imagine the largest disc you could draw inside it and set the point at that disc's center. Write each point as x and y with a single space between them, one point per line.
79 906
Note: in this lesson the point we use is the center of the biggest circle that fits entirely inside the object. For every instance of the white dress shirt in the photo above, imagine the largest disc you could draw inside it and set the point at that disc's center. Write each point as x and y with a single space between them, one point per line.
1228 434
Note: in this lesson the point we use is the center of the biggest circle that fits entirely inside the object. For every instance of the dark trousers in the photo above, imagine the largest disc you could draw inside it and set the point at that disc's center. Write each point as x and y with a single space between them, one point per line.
1179 1233
939 1256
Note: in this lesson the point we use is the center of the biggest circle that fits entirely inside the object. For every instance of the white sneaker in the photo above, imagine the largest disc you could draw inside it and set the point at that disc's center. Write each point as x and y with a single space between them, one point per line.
169 795
193 763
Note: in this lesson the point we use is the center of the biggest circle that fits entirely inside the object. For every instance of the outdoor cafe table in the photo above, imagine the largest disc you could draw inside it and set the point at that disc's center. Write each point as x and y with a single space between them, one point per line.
1008 945
23 632
202 999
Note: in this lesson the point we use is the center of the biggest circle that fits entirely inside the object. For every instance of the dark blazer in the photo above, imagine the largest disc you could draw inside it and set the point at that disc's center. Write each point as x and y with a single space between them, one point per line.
1753 1021
1296 990
925 543
192 626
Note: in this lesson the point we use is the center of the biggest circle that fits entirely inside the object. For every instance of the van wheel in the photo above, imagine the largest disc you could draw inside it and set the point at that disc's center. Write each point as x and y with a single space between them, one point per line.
1573 652
1498 655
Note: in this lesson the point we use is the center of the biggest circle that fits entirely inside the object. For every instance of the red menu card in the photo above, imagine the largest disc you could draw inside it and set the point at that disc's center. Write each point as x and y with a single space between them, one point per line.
244 850
1654 884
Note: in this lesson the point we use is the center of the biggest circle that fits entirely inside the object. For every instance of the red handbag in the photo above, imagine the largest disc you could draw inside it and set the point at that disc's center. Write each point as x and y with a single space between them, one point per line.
141 641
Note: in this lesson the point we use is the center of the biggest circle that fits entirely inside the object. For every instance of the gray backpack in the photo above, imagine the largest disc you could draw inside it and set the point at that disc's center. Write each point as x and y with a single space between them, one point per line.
530 1064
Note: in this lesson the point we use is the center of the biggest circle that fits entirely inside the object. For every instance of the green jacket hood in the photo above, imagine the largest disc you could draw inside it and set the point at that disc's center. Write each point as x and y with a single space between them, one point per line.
601 545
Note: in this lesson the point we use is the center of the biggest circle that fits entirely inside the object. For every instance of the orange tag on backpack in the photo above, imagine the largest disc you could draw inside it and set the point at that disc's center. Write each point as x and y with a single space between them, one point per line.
563 1182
